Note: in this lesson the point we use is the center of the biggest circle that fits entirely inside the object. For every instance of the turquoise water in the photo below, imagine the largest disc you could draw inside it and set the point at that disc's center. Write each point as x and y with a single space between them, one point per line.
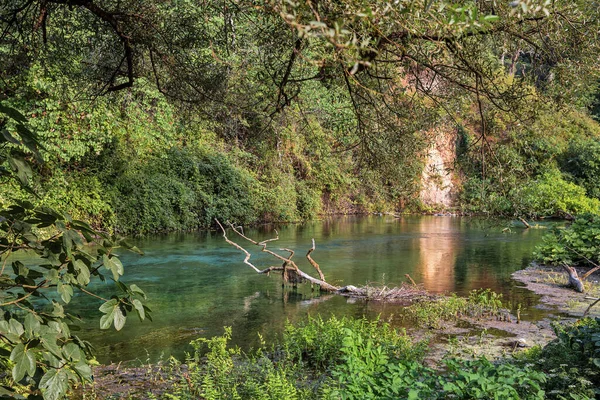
197 283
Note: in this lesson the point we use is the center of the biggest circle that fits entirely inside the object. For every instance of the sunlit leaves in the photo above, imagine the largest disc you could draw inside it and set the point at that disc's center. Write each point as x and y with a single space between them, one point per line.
114 265
65 291
113 314
24 362
54 384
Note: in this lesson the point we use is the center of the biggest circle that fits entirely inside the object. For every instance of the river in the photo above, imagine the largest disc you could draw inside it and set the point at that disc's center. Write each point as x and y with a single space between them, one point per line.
196 283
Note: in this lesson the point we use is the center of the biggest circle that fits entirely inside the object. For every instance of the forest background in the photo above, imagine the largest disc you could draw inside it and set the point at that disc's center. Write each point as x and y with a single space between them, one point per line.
229 110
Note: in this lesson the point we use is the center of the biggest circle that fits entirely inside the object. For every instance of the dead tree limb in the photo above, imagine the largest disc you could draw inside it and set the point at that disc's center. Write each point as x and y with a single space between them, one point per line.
313 262
525 223
587 310
237 246
292 274
288 266
574 280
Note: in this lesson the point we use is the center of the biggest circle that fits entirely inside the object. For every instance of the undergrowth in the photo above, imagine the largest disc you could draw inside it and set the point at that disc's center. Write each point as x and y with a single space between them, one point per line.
346 359
479 303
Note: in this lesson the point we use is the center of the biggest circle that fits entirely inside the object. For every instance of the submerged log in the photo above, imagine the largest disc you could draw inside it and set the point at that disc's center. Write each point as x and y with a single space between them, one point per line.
525 223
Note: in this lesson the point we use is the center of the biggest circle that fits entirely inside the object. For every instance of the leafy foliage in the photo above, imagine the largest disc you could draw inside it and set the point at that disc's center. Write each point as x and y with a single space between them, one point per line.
571 362
526 170
581 162
578 244
347 359
317 343
479 303
46 258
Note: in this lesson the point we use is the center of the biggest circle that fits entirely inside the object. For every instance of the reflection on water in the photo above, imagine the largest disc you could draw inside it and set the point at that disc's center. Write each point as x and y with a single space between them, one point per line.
197 284
437 253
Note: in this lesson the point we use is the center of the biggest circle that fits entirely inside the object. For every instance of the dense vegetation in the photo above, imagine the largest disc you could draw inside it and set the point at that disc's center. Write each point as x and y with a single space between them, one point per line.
578 244
265 123
358 359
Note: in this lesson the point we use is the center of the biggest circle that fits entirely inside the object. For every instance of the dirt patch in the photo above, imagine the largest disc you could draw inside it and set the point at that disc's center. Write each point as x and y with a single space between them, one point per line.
489 337
118 381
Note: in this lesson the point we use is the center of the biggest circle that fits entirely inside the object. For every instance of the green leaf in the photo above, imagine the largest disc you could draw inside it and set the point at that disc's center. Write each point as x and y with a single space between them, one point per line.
32 324
72 352
51 276
114 265
65 291
8 393
83 276
148 313
54 384
106 320
15 327
108 306
21 167
30 141
108 309
119 318
84 370
139 307
49 343
135 289
58 310
13 113
9 138
24 362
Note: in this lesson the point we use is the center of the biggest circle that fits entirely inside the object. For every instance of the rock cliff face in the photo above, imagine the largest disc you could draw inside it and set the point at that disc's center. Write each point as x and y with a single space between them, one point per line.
438 181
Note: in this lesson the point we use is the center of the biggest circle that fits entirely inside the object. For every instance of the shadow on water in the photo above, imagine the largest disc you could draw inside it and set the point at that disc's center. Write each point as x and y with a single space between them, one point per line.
197 284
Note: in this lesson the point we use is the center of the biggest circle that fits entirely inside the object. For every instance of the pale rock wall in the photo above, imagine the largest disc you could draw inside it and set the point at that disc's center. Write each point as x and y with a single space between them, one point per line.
438 188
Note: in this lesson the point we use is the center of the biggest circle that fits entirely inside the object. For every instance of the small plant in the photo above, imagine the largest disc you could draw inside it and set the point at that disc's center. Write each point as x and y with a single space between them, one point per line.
478 304
317 343
571 362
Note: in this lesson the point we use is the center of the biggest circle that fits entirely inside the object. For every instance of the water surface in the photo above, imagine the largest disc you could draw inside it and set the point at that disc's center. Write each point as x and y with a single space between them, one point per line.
197 283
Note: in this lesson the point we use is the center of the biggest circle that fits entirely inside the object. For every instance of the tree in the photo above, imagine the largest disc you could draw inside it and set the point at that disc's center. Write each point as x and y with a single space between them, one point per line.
45 259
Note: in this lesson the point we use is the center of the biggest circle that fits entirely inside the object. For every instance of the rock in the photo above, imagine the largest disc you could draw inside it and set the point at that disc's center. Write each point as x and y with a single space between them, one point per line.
518 343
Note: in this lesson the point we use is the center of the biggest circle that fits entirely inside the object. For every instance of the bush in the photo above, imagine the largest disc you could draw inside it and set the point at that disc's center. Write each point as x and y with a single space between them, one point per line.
551 195
571 361
581 163
346 359
577 244
317 344
184 190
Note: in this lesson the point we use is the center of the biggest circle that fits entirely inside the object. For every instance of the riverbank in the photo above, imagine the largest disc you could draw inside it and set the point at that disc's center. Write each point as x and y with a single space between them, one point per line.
551 283
477 329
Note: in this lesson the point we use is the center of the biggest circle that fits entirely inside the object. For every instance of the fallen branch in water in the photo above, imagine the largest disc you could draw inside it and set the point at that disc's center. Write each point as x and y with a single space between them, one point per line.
291 273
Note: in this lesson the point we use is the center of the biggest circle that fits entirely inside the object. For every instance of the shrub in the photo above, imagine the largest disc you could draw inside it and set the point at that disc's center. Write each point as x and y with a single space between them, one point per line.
581 163
317 343
185 190
577 244
551 195
571 361
346 359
